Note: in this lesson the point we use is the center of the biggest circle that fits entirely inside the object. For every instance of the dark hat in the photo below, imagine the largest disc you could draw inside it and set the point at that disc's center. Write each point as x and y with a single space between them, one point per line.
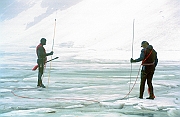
144 42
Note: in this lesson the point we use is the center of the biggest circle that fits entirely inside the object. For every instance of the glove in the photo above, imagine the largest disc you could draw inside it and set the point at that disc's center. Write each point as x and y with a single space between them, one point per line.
132 60
51 53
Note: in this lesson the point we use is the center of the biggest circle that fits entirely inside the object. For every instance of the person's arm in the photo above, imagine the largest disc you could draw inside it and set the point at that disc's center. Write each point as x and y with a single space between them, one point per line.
142 55
51 53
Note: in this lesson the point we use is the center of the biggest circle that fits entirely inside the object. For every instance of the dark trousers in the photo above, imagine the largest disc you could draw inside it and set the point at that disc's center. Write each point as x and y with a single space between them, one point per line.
146 75
40 71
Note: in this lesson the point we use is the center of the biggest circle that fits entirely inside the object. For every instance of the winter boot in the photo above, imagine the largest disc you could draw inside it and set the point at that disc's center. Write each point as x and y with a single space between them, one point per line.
151 93
43 86
151 98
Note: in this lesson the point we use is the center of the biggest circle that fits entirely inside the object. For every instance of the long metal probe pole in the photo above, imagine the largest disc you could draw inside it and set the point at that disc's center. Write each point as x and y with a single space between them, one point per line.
132 57
52 50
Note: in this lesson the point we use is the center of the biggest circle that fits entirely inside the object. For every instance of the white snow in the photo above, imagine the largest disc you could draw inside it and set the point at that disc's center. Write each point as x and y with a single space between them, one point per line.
93 40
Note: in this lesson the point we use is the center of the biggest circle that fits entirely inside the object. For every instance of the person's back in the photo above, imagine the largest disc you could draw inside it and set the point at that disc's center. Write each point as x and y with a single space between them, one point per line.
149 60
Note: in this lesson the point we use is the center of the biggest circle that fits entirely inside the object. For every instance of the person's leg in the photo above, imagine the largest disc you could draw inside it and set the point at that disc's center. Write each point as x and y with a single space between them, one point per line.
142 84
40 73
150 86
39 79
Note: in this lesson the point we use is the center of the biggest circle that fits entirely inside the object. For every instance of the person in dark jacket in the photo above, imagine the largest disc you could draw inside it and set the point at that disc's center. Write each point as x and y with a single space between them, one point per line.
149 60
41 54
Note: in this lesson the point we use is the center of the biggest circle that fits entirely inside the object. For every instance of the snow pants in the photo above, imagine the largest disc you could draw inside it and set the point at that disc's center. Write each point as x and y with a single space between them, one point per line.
146 75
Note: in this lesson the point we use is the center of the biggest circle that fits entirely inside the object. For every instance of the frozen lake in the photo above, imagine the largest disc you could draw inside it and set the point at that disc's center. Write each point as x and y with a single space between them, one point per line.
84 88
93 42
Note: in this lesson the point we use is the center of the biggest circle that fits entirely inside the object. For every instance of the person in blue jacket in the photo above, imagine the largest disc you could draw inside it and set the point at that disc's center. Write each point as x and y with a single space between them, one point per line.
41 54
149 60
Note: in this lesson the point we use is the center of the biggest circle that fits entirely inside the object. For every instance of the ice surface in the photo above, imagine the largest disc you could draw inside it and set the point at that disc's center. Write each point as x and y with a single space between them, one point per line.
94 89
92 75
